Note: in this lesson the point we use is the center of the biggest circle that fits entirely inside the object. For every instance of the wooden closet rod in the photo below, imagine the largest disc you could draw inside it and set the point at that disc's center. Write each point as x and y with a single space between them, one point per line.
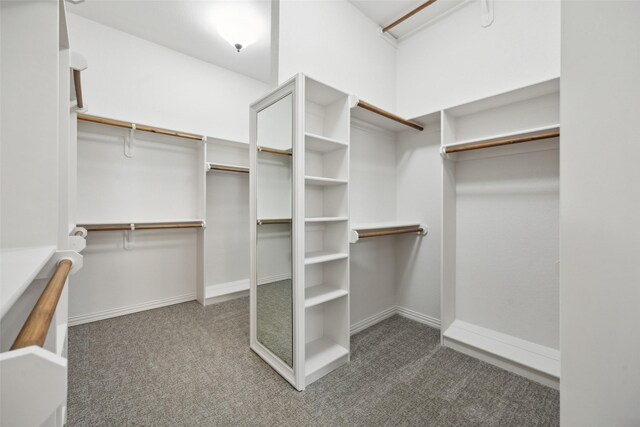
408 15
275 151
78 86
142 128
224 168
389 115
500 142
34 331
274 221
132 226
362 234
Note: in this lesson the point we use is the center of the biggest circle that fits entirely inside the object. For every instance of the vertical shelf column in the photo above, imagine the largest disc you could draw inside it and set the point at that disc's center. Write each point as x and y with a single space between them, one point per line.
326 194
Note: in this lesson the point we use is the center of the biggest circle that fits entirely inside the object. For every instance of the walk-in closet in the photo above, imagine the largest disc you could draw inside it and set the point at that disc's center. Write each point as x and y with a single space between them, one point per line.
320 212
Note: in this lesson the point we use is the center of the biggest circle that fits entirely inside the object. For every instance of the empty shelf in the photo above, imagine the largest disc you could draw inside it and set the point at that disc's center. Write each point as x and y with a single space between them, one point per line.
318 294
323 256
320 181
322 143
20 266
327 219
322 352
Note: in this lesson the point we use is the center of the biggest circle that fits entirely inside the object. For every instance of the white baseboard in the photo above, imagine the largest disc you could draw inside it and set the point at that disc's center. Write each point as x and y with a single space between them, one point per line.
418 317
272 279
401 311
370 321
134 308
228 288
221 289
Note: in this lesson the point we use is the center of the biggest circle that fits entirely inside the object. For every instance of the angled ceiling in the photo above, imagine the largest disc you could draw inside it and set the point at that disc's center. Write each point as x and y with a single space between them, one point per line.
384 12
187 27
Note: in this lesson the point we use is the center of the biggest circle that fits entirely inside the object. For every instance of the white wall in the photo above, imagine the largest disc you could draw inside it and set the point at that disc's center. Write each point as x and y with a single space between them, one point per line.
372 198
419 198
507 245
135 80
600 207
455 60
333 42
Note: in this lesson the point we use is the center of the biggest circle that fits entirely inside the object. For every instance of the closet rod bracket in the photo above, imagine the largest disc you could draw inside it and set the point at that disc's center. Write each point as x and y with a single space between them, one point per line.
129 148
128 239
51 265
77 239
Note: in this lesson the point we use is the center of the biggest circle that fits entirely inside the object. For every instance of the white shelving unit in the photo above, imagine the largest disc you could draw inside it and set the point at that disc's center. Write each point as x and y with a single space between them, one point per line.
500 298
319 174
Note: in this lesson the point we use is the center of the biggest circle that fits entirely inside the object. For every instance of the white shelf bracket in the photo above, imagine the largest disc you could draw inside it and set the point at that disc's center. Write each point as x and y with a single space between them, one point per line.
207 167
128 238
486 12
129 148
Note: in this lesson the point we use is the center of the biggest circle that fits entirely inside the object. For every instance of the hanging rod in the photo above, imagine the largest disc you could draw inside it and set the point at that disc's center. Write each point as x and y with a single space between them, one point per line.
501 142
275 151
408 15
226 168
382 229
78 86
274 221
388 115
142 226
143 128
35 328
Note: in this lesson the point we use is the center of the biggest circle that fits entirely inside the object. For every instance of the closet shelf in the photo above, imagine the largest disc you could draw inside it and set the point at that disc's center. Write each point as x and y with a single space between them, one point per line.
526 353
139 127
132 226
322 144
222 167
326 219
317 257
380 229
319 294
528 135
20 266
325 182
322 352
378 117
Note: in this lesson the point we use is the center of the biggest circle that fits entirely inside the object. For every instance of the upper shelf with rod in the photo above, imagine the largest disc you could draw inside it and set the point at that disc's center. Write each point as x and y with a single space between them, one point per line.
502 140
139 127
368 113
131 226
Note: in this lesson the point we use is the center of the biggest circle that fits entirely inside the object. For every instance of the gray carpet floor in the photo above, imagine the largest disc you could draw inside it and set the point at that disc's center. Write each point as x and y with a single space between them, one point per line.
188 365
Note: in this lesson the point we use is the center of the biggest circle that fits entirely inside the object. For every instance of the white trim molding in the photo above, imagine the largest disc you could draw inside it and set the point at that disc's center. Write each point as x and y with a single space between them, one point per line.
130 309
401 311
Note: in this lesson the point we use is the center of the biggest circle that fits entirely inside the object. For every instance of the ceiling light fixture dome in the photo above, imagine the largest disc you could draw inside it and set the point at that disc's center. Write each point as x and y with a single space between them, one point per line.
238 23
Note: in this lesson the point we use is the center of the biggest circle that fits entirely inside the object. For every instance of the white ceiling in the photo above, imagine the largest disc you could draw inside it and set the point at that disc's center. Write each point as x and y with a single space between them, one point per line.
185 26
384 12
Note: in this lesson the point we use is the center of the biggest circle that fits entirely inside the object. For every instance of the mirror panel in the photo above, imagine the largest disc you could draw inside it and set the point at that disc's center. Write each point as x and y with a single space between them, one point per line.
274 171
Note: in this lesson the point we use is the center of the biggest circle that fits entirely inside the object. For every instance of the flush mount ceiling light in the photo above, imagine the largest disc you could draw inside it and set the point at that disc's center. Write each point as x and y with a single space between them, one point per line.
238 23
